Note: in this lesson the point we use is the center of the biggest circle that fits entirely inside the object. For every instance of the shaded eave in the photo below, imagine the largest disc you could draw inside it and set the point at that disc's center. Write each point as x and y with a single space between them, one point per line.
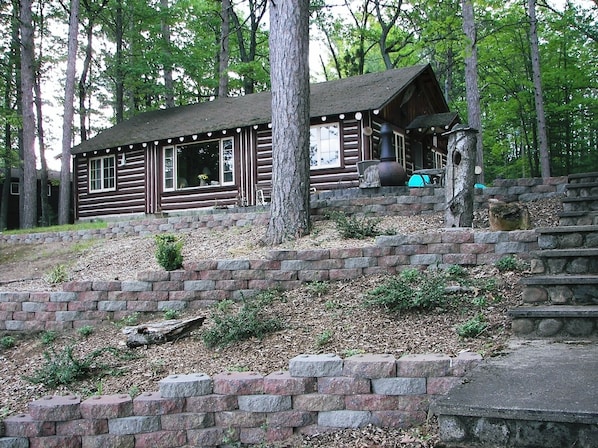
434 123
372 91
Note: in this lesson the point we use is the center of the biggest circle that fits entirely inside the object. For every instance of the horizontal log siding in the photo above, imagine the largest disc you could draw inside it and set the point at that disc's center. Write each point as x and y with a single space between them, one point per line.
129 196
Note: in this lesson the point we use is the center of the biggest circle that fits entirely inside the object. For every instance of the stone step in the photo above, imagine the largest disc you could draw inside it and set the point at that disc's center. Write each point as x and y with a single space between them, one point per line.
555 321
560 289
565 261
582 178
581 190
540 394
578 218
584 204
567 237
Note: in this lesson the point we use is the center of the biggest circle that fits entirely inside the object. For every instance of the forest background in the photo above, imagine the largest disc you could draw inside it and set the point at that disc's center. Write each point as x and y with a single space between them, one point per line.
132 56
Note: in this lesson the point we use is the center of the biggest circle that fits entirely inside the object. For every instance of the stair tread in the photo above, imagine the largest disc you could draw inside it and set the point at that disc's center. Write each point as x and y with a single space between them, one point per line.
555 310
582 185
582 175
561 279
537 380
577 252
580 199
567 229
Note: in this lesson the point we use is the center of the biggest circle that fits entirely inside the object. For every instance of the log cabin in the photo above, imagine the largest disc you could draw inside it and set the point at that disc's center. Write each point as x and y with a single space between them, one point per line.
219 153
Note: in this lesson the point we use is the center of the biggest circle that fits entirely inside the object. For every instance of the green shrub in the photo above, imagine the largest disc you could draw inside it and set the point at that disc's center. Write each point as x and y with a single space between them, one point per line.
57 275
509 263
249 321
64 368
7 342
172 314
48 337
352 227
168 252
85 331
317 289
324 338
410 290
473 327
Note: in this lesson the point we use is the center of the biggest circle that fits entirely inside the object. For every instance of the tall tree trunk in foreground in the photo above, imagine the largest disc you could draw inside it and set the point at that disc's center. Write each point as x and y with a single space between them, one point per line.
69 111
223 55
28 198
474 114
168 81
538 96
289 41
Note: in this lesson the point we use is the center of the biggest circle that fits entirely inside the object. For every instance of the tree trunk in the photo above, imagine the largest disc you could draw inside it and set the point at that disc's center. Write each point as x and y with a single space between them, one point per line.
120 72
28 202
459 177
43 175
474 115
289 41
168 82
64 204
223 56
538 96
160 332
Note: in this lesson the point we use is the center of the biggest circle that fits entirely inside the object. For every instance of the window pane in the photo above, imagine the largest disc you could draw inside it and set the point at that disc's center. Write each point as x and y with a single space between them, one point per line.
228 161
168 168
324 148
108 172
198 162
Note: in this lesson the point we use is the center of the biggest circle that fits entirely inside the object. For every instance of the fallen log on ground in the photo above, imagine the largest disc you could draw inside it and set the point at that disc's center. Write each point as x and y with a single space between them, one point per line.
160 332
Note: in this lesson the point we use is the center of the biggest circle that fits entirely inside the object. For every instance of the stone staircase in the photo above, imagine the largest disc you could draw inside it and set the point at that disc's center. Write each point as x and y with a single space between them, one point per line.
544 391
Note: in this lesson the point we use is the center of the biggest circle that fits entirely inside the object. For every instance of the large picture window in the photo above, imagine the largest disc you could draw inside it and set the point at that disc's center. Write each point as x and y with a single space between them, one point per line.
324 146
102 174
207 163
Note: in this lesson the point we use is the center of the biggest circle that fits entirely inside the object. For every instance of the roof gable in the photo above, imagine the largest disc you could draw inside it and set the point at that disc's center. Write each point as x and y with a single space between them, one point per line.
359 93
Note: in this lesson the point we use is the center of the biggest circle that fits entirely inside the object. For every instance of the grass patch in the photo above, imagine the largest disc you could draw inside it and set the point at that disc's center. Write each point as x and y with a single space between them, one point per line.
473 327
7 342
353 227
62 228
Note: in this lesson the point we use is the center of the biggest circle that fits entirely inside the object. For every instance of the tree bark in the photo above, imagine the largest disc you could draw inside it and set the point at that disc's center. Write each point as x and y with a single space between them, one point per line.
474 114
64 203
289 41
28 199
538 95
160 332
223 56
168 81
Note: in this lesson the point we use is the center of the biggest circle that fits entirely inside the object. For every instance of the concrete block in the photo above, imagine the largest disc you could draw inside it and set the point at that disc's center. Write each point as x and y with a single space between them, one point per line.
399 386
55 408
14 442
133 425
152 403
108 441
294 419
238 383
371 402
451 429
264 403
233 265
161 439
23 425
318 402
343 385
344 419
211 403
316 365
423 365
82 427
282 383
240 419
107 406
59 296
199 285
398 419
211 437
190 385
187 420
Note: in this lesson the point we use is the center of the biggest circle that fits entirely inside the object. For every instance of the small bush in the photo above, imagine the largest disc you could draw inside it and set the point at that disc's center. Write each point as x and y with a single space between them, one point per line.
168 252
57 275
249 321
324 338
7 342
85 331
352 227
509 263
48 337
473 327
64 368
409 290
172 314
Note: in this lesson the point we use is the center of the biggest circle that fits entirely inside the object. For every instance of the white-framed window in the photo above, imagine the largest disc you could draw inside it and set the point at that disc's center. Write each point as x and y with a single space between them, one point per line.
200 164
439 159
400 148
324 146
102 174
15 189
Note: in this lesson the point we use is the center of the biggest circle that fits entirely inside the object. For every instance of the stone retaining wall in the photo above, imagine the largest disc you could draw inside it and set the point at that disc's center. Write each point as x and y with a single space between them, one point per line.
318 393
206 282
375 201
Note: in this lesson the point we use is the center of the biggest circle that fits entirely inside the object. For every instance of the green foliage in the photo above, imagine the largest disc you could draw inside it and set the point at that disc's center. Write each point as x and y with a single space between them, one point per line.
352 352
48 337
317 289
64 368
324 338
168 252
353 227
134 391
7 342
129 321
473 327
248 321
58 274
509 263
85 331
172 314
410 290
92 225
